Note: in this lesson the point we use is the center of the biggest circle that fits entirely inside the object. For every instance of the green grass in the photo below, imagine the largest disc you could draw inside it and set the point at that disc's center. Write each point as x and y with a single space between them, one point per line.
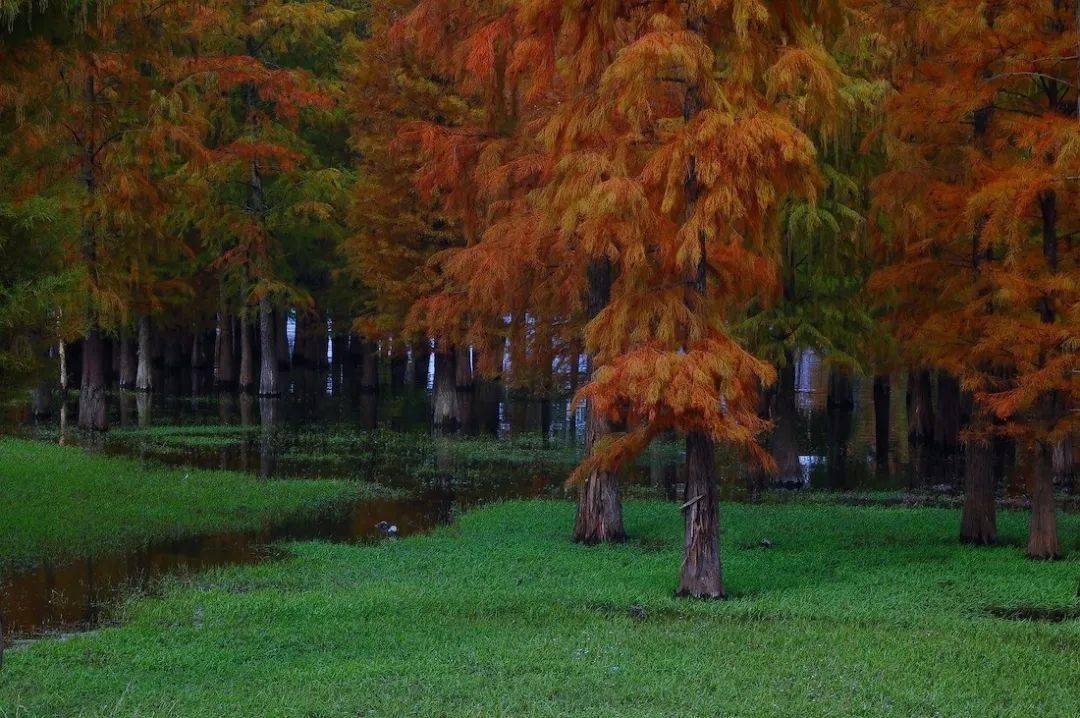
860 611
61 503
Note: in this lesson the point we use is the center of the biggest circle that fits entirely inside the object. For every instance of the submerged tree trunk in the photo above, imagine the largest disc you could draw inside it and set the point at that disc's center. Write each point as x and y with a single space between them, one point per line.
92 406
421 353
280 347
369 366
246 378
1042 533
269 381
701 576
783 443
143 373
128 363
224 370
445 402
882 396
978 519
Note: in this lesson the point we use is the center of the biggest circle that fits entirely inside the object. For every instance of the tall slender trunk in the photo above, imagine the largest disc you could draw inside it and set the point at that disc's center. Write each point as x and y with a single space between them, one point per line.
246 378
1042 531
701 575
143 375
281 339
1043 534
92 406
269 381
446 409
224 370
978 518
882 397
421 353
369 366
128 361
948 419
599 511
921 422
784 411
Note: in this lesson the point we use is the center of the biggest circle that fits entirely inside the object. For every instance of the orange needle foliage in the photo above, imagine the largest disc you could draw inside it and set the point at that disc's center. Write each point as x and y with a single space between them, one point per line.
981 203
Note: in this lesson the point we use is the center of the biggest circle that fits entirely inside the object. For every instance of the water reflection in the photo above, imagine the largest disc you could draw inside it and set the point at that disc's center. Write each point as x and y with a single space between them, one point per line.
824 438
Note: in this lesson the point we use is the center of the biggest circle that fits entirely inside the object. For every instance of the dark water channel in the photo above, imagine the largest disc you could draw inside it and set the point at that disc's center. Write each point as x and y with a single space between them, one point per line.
321 431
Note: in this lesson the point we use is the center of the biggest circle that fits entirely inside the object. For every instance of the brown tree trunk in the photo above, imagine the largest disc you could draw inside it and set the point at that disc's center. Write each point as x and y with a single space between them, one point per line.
882 396
1042 533
369 366
701 576
128 361
143 373
92 406
978 518
224 370
599 511
281 339
246 377
783 443
445 402
421 363
948 420
269 381
921 423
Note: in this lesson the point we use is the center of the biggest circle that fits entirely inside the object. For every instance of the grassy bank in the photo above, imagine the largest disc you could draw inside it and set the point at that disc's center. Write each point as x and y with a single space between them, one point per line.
60 502
863 611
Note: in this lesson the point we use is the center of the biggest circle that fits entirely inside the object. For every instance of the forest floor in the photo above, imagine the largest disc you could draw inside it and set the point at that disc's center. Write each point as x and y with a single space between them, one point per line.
849 610
62 503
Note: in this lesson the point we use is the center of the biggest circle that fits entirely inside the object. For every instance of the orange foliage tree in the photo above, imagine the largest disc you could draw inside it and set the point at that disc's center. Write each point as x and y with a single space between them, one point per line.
635 157
979 202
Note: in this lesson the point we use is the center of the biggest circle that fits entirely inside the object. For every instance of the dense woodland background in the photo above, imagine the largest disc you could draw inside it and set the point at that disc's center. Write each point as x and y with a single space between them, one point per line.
654 205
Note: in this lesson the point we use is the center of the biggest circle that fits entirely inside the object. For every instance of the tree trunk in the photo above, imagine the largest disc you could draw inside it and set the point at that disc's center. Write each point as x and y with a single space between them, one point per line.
701 576
445 402
246 378
599 510
224 370
369 366
882 396
978 519
269 381
421 363
920 407
92 406
143 374
280 347
1042 533
398 367
128 362
921 423
948 420
783 443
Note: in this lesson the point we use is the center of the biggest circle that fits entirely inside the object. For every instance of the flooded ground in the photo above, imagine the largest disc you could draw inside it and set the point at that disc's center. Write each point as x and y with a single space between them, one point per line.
319 430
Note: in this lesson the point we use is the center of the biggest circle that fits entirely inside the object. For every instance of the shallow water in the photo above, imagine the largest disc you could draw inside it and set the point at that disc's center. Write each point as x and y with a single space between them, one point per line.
320 429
